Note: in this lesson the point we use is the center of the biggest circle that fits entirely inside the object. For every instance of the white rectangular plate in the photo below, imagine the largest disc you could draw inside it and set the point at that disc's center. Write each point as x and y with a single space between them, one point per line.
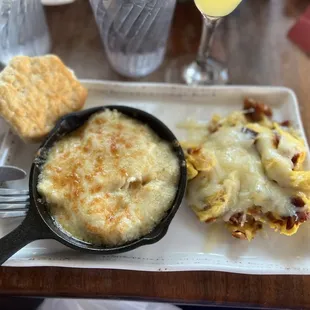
189 244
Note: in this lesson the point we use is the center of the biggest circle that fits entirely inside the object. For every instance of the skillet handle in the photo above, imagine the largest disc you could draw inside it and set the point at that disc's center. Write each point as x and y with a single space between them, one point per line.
32 228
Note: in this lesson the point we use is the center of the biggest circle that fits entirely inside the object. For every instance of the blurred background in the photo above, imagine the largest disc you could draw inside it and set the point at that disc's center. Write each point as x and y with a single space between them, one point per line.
252 41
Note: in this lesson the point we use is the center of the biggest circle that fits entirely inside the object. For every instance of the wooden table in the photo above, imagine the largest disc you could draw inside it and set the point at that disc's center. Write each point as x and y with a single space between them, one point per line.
253 42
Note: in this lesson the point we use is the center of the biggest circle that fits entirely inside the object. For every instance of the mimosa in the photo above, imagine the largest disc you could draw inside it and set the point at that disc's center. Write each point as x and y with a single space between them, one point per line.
217 8
205 70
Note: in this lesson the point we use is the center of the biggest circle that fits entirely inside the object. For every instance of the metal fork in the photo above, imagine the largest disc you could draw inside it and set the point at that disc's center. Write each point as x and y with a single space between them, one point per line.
13 202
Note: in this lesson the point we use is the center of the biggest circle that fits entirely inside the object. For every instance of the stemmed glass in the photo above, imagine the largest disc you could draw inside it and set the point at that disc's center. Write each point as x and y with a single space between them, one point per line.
205 70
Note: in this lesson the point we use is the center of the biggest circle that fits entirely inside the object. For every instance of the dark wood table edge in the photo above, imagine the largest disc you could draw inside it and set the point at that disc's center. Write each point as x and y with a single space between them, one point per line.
45 288
199 303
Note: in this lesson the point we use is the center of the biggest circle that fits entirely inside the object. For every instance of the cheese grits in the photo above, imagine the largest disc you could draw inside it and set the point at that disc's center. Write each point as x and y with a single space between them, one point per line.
111 181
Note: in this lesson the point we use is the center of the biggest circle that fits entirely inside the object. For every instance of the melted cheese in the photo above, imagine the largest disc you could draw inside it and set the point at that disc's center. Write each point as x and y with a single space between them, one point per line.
238 180
278 160
110 181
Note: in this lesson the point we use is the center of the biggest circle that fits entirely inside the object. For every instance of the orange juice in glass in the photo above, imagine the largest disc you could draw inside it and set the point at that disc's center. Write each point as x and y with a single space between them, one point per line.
205 70
216 8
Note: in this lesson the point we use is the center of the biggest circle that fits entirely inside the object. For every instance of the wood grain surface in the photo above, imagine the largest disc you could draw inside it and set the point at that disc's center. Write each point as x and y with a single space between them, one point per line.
253 43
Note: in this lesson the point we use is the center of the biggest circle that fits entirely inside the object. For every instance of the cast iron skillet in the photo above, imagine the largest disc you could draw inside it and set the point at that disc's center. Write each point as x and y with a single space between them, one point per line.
38 223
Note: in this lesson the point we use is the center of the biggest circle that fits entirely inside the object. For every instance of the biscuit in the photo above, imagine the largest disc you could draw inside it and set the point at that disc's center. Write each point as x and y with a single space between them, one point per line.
35 92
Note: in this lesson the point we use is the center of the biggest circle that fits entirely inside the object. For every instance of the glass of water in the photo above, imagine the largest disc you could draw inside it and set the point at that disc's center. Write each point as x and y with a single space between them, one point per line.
134 33
23 29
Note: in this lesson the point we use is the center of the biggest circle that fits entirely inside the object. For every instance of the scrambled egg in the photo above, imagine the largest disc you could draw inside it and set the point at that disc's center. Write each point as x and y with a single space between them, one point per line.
247 172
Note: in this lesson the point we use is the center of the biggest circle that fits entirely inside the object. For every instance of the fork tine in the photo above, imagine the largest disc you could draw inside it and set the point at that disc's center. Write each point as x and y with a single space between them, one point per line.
13 198
13 192
14 206
13 214
24 209
13 202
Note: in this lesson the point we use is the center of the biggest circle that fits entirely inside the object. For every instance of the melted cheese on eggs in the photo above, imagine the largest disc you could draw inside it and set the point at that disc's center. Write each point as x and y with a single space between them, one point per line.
111 181
237 180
